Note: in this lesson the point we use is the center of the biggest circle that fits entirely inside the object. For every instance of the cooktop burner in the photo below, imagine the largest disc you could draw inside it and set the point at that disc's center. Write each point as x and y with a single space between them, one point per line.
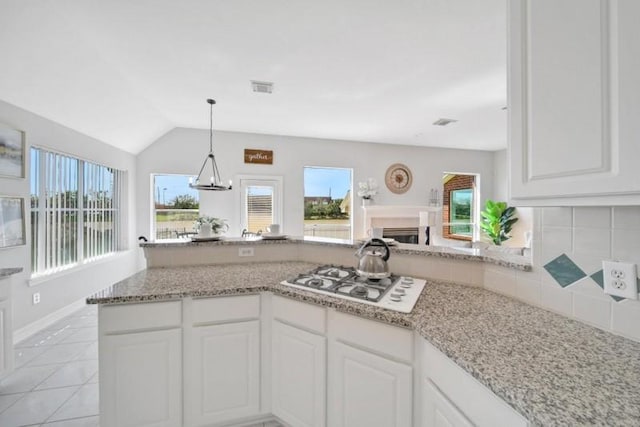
395 292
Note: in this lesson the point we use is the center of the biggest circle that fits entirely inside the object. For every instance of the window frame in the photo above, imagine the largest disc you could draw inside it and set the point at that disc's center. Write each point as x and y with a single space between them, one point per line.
475 210
274 181
351 204
82 208
152 204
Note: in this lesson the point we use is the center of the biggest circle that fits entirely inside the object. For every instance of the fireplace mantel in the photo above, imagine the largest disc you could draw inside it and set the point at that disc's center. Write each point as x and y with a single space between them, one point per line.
404 216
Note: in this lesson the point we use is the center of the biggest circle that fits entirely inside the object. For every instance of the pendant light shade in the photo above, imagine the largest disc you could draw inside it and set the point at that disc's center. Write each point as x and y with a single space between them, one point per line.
213 182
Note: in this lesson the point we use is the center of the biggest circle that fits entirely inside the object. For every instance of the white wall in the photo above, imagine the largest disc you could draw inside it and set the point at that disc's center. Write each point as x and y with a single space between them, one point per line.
60 291
182 151
501 193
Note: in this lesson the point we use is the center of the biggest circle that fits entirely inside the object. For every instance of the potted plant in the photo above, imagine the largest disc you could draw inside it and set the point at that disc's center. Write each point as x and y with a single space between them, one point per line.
367 190
207 225
497 220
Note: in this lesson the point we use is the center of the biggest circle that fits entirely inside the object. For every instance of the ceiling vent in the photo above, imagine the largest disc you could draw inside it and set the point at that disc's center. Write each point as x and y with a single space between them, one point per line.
262 87
443 122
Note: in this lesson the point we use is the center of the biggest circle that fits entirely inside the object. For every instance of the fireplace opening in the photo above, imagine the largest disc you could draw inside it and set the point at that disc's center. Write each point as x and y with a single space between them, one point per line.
402 235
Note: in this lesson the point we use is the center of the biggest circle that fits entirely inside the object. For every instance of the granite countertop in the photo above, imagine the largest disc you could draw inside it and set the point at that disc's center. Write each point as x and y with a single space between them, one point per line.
517 262
553 370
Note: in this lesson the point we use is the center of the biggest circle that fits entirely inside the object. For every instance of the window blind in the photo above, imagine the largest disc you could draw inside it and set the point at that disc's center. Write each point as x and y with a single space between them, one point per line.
259 208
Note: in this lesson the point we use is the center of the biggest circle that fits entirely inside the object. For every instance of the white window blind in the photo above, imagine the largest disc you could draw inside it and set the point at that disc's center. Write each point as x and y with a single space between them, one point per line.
259 208
75 211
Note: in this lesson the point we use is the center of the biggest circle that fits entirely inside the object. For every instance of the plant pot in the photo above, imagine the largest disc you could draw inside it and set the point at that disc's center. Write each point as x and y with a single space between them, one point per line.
367 202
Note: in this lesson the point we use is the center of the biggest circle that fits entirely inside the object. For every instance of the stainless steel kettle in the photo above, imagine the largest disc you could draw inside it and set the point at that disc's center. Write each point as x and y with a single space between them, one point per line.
373 255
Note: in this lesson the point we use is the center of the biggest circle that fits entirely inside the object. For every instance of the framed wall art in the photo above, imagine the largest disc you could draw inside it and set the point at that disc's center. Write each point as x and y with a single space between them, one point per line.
12 155
12 231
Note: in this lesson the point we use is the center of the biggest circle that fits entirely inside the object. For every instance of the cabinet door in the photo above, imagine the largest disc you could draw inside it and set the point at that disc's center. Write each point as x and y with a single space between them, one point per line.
368 390
141 373
438 411
223 380
298 376
574 102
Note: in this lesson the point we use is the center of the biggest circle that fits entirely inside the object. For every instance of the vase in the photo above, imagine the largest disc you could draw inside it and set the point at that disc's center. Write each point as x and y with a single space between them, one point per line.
205 230
367 202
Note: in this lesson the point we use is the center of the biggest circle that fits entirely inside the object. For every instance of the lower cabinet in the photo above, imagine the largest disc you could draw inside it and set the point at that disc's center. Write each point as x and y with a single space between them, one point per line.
368 390
141 379
298 376
438 411
222 380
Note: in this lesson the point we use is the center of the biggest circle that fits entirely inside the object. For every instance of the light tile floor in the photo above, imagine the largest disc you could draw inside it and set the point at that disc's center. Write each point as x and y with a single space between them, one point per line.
55 382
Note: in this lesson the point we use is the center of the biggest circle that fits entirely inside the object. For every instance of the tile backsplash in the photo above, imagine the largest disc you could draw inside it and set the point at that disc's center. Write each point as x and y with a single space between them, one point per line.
569 245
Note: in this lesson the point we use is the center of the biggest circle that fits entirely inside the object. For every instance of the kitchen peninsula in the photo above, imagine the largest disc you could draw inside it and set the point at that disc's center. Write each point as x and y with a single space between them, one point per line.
299 356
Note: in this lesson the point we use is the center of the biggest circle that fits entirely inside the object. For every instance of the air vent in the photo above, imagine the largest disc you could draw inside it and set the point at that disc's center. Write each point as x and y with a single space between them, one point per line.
443 122
262 87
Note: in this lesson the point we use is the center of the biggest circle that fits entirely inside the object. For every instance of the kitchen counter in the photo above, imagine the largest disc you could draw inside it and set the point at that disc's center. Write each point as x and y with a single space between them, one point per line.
553 370
517 262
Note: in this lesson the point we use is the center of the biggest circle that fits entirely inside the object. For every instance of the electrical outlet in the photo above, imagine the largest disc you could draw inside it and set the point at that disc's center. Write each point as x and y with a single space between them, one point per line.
36 298
620 279
245 252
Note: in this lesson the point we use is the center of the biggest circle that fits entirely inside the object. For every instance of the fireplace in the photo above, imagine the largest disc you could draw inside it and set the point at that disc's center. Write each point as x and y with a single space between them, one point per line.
406 224
402 234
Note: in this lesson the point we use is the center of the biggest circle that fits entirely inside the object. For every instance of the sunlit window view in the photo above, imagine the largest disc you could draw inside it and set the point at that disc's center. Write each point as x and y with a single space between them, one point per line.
259 203
327 202
175 207
458 206
75 211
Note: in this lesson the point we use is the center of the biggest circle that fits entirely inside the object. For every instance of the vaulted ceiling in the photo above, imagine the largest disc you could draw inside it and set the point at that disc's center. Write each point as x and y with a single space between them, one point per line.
127 71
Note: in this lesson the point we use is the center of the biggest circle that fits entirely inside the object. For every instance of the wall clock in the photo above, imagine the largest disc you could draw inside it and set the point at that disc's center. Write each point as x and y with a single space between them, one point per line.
398 178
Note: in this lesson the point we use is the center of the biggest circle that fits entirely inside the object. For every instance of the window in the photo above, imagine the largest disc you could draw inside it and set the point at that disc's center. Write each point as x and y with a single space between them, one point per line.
459 208
261 203
175 207
327 202
75 211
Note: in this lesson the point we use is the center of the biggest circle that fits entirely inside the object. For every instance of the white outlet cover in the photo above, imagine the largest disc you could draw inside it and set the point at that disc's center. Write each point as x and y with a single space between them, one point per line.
620 279
245 252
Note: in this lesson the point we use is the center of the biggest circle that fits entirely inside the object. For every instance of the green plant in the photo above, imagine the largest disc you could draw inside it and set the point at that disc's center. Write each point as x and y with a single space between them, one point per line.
217 224
497 220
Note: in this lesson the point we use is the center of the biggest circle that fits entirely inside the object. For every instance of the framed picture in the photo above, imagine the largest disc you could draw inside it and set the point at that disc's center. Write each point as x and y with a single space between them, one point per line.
11 152
12 232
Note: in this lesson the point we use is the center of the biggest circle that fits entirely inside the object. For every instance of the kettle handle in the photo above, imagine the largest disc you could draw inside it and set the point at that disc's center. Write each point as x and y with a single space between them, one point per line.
379 242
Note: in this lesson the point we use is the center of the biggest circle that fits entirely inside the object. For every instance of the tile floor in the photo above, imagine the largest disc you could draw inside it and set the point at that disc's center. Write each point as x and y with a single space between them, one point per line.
55 383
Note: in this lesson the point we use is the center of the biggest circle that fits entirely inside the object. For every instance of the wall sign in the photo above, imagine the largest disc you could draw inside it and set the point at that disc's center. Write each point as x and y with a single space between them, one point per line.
263 157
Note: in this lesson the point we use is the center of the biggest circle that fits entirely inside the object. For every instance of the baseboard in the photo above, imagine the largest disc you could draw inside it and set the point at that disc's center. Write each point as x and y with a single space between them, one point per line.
48 320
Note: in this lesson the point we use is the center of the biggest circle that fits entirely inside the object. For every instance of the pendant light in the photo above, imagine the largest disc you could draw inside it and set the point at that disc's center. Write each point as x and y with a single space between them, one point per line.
214 183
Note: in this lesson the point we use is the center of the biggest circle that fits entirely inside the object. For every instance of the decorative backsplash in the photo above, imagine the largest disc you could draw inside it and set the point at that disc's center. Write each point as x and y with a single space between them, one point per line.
569 245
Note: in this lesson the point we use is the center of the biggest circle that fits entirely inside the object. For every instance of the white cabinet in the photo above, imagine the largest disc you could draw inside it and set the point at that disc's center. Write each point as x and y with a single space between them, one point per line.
222 359
574 100
141 379
438 411
451 396
298 376
223 373
140 352
368 390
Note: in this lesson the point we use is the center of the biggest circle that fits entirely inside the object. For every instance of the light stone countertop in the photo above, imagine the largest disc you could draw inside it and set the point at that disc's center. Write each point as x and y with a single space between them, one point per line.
517 262
553 370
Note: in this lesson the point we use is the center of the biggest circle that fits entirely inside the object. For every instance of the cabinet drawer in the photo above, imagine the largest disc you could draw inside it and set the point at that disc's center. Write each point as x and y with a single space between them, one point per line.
301 314
477 402
136 317
377 336
223 309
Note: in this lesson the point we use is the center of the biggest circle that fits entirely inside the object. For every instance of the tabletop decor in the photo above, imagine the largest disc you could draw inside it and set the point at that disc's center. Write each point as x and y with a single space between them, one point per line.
497 220
218 225
367 189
